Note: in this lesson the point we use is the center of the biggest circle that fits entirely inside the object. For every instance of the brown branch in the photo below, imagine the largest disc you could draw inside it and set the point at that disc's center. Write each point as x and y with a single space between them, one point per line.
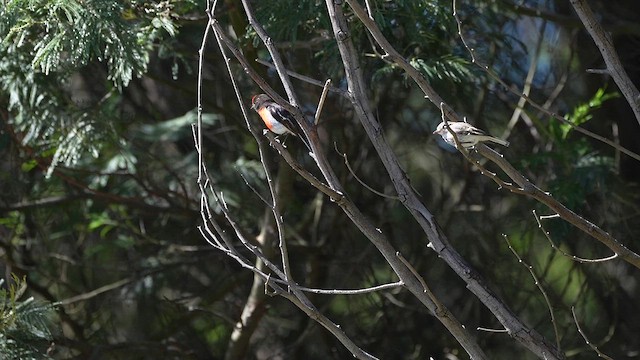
534 104
359 99
584 336
438 241
323 97
572 257
605 45
539 286
304 78
295 296
531 190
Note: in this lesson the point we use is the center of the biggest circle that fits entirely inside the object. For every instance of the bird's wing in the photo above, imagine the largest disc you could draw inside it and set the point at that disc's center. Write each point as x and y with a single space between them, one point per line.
471 130
287 118
290 123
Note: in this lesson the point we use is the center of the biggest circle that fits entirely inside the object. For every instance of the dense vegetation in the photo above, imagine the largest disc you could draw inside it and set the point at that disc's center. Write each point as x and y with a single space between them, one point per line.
101 213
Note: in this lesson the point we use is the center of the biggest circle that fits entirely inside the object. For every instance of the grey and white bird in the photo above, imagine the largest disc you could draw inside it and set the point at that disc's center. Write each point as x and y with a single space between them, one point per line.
467 134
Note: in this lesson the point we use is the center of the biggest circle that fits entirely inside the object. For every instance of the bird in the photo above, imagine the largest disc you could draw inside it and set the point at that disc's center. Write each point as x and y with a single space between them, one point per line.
467 134
277 119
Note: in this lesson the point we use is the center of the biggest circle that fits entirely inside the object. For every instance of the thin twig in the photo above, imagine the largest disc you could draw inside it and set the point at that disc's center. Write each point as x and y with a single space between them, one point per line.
346 162
534 104
440 310
413 270
479 328
323 97
598 71
584 336
275 208
555 247
200 65
526 89
255 191
531 190
91 294
612 60
352 292
369 9
304 78
539 286
437 239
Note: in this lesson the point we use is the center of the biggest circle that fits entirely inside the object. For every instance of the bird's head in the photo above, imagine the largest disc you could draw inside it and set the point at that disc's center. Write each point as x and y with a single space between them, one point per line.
440 129
257 101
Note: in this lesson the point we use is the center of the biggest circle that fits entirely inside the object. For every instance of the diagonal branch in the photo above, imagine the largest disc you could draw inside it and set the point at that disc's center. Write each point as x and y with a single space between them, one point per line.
531 190
438 241
564 253
609 54
358 95
295 295
535 105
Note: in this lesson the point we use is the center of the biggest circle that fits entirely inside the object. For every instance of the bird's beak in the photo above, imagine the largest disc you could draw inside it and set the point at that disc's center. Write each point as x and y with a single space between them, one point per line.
253 106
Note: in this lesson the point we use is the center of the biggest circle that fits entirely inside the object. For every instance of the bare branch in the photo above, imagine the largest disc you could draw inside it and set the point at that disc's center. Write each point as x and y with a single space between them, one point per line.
584 336
323 97
304 78
438 241
539 285
534 104
275 208
353 173
91 294
553 245
526 90
491 330
609 54
531 190
352 292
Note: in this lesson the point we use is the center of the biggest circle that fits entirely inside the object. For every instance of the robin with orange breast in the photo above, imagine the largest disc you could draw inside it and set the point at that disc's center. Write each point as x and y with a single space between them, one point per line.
277 118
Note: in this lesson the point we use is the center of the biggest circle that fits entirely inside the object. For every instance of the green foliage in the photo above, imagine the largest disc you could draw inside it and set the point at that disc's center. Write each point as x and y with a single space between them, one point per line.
93 95
290 19
24 323
446 68
581 114
580 169
65 34
174 129
422 31
46 44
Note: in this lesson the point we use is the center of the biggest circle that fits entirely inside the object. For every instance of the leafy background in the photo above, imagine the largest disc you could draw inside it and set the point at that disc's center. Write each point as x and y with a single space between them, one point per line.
99 206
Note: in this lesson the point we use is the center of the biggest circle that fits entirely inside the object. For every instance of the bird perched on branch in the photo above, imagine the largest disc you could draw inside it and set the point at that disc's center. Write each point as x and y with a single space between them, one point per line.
467 134
277 118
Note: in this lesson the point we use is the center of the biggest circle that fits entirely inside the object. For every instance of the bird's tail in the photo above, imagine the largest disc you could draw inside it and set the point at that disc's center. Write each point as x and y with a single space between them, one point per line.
498 141
305 141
